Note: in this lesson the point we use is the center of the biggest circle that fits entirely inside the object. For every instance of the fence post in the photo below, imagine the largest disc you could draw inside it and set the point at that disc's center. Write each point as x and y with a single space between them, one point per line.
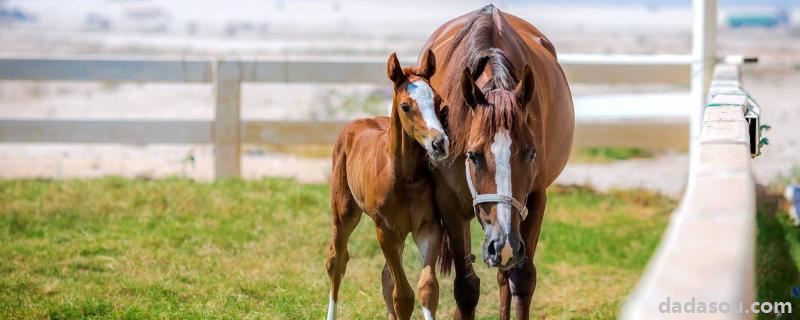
704 44
227 155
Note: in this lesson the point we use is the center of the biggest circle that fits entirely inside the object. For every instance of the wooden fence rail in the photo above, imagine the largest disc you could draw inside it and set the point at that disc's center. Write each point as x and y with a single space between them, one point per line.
227 131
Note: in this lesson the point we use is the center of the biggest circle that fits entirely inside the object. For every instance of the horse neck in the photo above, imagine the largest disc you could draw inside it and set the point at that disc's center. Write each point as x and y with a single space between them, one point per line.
404 151
459 117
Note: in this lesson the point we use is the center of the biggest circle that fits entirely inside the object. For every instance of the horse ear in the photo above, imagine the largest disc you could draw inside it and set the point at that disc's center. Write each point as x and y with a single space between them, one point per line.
394 70
525 88
427 65
472 94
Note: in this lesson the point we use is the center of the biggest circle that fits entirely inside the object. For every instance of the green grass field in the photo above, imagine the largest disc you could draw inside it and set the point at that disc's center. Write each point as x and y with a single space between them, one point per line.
777 260
608 154
174 248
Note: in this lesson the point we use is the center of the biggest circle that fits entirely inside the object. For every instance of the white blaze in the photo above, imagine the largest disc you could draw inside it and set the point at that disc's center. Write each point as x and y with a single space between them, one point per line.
331 307
501 148
422 93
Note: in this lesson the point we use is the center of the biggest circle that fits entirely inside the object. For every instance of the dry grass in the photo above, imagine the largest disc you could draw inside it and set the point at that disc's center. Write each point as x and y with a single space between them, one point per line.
174 248
607 154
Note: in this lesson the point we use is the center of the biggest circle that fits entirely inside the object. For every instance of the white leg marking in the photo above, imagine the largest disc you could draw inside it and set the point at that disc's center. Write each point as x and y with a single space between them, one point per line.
331 307
427 313
422 93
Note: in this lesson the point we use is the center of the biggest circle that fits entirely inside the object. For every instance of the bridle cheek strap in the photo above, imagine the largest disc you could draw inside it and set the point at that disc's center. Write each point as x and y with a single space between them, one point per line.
491 198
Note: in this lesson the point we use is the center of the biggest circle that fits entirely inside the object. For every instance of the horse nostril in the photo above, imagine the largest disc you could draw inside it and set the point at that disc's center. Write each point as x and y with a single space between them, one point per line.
438 144
491 250
521 249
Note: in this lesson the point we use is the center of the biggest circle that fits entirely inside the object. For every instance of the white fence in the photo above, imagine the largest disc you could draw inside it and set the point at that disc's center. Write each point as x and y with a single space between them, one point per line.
227 131
708 251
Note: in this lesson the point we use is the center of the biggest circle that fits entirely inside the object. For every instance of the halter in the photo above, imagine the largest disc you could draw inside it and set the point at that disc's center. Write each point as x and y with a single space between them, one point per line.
491 198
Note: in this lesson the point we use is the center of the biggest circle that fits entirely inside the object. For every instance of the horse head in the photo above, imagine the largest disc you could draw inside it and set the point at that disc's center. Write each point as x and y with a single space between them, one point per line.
418 105
500 166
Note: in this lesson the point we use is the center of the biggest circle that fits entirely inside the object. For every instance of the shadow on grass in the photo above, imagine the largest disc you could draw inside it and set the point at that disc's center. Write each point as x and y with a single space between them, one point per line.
777 258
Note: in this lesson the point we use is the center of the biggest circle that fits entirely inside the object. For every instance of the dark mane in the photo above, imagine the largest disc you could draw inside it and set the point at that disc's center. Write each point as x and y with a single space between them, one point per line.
478 36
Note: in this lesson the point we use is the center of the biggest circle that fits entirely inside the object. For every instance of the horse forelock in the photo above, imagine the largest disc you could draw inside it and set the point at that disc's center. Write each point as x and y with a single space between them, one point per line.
501 113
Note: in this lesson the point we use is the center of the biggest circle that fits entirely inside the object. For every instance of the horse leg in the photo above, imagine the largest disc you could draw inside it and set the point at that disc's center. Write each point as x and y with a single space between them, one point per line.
466 285
388 288
523 277
345 218
429 240
402 294
505 294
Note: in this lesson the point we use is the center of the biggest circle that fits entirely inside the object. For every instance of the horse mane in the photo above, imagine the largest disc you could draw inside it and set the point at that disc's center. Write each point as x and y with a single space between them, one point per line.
479 36
473 47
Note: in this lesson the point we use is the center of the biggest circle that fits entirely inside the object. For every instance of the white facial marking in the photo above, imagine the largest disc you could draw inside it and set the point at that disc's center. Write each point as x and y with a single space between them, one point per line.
501 148
331 307
422 93
427 314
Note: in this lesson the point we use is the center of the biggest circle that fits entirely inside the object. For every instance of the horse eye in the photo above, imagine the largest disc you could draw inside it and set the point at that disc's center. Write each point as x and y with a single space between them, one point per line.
405 107
473 157
531 155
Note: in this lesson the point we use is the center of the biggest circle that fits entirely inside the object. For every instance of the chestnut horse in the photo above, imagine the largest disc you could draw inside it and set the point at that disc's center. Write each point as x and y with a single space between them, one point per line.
511 123
381 167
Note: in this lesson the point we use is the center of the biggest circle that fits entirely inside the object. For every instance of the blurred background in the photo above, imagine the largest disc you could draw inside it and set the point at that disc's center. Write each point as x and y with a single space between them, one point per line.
137 230
373 29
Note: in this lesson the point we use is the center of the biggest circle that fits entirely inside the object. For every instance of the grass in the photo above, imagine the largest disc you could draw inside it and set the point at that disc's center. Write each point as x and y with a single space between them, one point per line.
174 248
608 154
777 257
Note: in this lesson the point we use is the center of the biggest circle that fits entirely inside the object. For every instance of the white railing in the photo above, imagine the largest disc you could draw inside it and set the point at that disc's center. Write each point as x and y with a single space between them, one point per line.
227 131
707 253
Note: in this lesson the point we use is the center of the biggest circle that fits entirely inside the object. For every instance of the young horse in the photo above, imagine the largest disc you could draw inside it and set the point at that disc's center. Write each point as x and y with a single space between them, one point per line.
510 139
380 168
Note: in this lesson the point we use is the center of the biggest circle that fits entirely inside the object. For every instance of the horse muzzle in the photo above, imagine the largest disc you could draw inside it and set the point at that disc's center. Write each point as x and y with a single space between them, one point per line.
439 148
503 252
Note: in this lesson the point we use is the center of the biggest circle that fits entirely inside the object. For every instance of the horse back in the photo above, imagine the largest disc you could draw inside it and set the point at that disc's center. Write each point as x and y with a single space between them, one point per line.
552 104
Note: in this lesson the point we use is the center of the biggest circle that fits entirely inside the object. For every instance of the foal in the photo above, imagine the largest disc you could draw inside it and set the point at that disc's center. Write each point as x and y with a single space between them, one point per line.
380 168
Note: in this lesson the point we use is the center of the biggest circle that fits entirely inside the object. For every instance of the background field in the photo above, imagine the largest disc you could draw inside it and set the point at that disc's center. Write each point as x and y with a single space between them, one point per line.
174 248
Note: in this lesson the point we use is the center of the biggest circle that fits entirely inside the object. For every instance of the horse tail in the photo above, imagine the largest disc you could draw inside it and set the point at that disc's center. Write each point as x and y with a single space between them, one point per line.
445 252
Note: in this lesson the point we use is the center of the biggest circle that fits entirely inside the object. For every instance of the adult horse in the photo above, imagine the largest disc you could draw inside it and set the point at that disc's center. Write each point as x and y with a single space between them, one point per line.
511 123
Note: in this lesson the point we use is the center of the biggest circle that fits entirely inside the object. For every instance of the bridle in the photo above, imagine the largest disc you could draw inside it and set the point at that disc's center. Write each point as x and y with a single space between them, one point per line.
491 197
